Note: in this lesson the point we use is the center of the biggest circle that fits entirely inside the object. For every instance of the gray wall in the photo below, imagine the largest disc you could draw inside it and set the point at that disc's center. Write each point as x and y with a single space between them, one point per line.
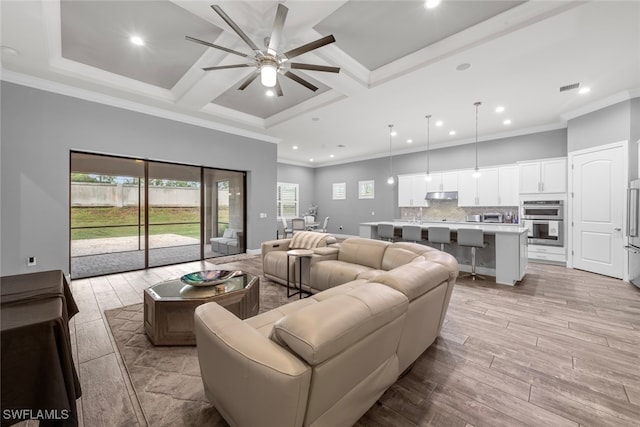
40 128
619 122
605 126
352 211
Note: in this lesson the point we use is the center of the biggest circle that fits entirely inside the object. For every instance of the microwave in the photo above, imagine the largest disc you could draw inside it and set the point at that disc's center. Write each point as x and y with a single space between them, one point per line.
543 209
492 217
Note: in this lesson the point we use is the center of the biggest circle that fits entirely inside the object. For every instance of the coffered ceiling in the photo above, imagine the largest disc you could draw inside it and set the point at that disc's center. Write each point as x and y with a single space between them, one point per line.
399 62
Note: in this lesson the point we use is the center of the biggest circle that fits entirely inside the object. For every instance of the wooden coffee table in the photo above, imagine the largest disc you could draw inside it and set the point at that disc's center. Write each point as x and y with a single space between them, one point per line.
169 306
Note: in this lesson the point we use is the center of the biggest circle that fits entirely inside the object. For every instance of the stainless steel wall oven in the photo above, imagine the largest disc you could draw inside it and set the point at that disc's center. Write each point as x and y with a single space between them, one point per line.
545 221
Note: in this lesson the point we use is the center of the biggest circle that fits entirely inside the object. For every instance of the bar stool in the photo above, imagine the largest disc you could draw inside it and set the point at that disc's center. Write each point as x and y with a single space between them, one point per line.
385 232
412 233
440 235
473 239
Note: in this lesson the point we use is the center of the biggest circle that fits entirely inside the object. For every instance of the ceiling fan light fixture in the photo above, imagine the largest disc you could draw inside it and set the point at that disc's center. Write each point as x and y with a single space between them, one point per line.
268 74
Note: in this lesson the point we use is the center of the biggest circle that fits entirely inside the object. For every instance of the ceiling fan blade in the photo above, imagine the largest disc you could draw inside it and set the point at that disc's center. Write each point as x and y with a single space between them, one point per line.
276 32
249 80
235 52
224 67
278 89
235 27
310 46
298 66
300 80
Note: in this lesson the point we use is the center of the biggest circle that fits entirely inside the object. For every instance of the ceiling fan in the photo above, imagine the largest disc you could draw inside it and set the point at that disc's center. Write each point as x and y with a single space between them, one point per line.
269 62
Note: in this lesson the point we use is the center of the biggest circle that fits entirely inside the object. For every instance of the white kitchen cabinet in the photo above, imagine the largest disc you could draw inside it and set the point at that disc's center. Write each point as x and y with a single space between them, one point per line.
543 176
443 181
411 190
554 254
511 258
508 188
482 191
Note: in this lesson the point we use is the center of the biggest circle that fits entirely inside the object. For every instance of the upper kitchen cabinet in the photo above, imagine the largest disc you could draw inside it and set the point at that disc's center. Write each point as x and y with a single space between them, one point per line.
412 190
543 176
481 191
508 178
443 181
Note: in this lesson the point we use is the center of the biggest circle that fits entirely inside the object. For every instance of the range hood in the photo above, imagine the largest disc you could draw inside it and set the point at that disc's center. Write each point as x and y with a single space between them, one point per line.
442 195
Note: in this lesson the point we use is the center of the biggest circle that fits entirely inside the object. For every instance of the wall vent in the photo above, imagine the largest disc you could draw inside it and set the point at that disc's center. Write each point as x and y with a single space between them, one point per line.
569 87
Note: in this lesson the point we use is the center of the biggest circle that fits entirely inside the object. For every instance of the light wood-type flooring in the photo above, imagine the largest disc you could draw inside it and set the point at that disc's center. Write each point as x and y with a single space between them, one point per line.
562 348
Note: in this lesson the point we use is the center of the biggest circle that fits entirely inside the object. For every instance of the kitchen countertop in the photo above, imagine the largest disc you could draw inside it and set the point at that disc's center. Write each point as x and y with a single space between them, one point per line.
489 228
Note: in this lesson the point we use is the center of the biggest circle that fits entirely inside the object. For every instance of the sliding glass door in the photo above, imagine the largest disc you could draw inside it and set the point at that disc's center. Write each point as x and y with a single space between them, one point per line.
224 212
106 215
173 213
129 214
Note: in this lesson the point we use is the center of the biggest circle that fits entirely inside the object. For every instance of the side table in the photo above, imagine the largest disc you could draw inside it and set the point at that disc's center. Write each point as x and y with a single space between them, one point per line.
299 254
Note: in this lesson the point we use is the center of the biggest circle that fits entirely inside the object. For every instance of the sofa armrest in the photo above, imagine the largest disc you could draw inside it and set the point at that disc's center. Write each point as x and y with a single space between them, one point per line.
239 365
323 254
275 245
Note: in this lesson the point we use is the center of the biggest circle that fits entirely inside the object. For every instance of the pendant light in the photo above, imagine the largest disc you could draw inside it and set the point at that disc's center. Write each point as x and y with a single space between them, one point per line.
476 172
427 177
390 180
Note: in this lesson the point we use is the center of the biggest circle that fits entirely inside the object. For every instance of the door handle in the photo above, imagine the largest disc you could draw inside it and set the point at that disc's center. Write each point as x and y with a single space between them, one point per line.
618 229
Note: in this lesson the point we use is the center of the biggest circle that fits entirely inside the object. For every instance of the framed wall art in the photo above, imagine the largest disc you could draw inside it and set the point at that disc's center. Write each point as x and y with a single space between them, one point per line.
340 191
366 189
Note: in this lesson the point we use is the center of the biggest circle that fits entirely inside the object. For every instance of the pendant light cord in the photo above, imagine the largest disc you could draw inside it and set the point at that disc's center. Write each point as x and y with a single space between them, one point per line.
477 104
428 117
390 157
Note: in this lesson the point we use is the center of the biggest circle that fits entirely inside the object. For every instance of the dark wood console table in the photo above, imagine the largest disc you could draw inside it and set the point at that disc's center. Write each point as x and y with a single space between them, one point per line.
39 378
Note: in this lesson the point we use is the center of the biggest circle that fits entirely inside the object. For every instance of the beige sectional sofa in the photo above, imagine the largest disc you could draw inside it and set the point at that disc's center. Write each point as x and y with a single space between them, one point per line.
324 360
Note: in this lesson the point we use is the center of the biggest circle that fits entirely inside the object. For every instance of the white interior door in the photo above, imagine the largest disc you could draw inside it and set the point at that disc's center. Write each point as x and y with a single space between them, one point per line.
598 206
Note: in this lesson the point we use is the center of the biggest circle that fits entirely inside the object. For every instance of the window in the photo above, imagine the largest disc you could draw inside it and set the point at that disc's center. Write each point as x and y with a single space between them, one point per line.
287 200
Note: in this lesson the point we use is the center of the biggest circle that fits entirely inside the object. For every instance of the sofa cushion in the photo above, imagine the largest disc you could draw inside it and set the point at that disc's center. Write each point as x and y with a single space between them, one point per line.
395 257
414 247
308 240
366 252
330 273
415 279
320 331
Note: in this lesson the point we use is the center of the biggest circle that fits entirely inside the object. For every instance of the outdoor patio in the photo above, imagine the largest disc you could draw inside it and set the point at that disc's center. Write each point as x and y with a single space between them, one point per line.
96 257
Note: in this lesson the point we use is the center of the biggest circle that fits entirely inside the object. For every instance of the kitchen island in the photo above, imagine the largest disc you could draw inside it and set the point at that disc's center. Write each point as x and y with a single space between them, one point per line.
505 256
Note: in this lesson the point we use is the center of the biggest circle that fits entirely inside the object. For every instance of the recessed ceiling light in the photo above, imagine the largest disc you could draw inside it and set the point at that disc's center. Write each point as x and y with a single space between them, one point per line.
394 133
439 123
463 67
295 147
453 132
431 4
331 155
507 122
137 40
311 160
584 90
499 109
409 141
270 93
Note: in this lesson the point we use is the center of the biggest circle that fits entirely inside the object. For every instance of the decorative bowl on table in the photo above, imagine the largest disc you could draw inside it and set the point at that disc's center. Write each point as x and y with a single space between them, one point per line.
209 277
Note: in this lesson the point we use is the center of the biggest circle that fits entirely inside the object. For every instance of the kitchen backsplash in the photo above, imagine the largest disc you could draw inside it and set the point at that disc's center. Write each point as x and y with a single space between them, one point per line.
448 210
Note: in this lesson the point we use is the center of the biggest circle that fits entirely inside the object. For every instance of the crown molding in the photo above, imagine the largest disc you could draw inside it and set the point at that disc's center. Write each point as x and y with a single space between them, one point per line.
421 149
87 95
601 103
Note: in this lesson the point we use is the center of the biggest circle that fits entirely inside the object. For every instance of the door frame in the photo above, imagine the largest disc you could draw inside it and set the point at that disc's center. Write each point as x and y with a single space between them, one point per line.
570 196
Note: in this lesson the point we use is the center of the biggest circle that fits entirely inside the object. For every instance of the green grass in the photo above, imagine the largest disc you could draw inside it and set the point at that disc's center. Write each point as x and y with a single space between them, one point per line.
109 216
